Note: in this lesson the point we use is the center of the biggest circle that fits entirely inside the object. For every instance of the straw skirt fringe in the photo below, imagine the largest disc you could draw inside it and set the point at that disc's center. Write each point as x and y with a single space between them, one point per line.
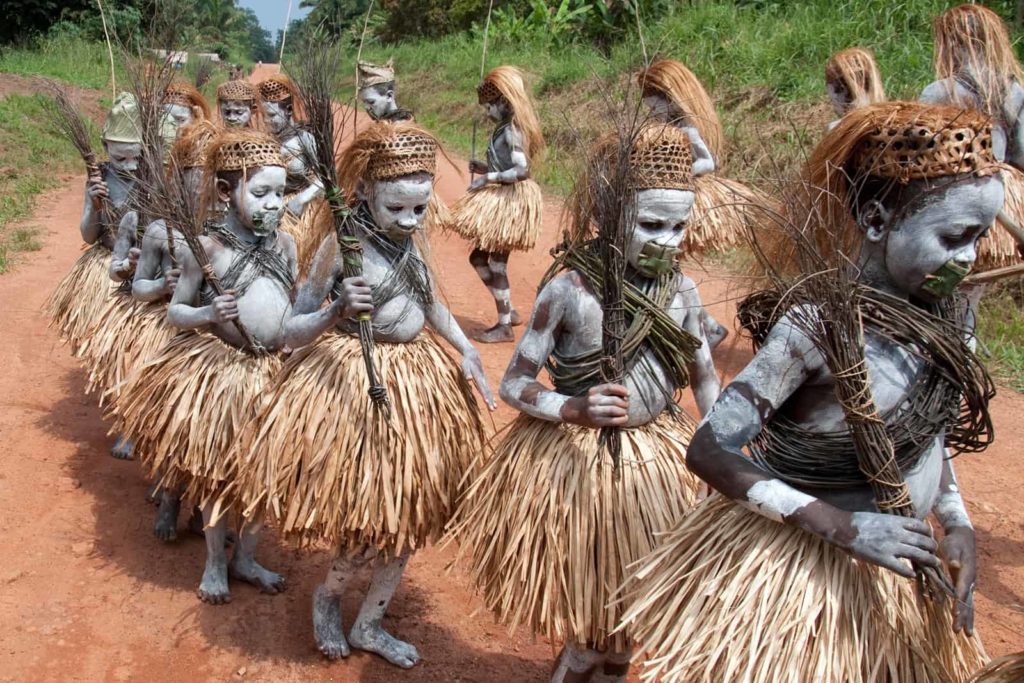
329 466
303 229
999 248
724 212
438 213
548 532
127 334
187 407
75 304
732 596
500 217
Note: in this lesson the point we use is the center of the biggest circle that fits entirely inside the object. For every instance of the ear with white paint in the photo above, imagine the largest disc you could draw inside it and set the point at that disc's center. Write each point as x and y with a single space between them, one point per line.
873 219
223 190
362 191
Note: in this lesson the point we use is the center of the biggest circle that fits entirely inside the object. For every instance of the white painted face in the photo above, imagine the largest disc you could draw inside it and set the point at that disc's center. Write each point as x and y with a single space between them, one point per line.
179 114
259 201
660 106
945 229
497 111
236 114
277 116
661 218
378 103
839 96
399 206
124 156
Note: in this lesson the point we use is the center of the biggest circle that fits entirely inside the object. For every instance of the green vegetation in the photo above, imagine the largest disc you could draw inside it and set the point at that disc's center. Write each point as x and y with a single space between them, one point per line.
1001 329
67 58
31 156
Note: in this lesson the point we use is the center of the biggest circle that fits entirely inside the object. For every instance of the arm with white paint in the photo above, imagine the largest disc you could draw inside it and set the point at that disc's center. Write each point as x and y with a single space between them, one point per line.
704 381
309 320
445 324
125 255
786 360
958 547
152 282
703 160
520 162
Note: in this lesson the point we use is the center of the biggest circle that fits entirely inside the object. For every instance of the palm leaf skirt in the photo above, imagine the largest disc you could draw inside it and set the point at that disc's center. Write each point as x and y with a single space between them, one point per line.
75 305
500 217
328 465
548 531
188 406
730 595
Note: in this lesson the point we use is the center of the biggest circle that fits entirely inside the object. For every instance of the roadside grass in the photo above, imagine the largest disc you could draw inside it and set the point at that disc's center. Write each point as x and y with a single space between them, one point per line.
31 158
73 60
1001 330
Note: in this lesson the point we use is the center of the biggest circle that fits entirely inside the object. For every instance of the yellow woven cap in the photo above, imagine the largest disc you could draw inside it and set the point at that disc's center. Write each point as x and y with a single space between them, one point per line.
375 74
122 124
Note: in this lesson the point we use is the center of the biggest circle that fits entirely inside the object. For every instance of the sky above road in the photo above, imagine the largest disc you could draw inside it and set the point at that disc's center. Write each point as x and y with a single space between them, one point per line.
272 13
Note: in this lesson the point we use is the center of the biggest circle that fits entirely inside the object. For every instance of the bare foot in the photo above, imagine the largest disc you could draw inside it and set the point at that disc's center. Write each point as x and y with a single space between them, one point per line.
497 334
213 589
123 449
327 627
166 526
517 319
575 664
251 571
372 638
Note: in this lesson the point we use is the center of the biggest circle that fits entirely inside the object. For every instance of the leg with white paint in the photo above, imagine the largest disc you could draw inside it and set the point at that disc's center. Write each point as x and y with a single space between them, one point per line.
328 628
498 285
575 664
166 525
244 565
615 668
367 632
214 586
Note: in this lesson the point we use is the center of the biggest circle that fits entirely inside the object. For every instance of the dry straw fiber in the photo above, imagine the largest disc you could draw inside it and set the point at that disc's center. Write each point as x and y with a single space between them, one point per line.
128 333
330 467
1008 669
187 406
733 596
303 228
723 211
998 248
76 303
500 218
548 531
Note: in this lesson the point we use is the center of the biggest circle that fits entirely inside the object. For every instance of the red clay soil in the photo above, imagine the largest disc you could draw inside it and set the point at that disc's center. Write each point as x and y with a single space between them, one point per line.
87 592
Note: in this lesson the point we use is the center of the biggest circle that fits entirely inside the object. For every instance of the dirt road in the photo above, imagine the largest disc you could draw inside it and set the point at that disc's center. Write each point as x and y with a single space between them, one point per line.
87 592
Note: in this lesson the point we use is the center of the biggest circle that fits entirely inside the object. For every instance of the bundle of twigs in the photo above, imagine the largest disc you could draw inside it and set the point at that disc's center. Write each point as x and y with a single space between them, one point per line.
316 78
67 118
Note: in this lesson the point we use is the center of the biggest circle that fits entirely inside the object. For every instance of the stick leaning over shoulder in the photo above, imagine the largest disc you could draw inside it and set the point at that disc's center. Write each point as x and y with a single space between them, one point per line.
316 81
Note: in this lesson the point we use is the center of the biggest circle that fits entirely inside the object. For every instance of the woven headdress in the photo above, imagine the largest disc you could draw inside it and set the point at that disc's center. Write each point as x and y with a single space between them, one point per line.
509 84
385 151
237 91
243 150
375 74
190 149
122 124
661 158
185 94
277 88
973 46
672 80
856 69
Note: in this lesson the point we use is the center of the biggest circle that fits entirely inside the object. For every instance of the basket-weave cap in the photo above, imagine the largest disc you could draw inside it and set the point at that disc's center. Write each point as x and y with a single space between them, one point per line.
277 88
192 144
244 150
374 74
911 144
185 94
488 92
661 158
237 91
402 154
122 124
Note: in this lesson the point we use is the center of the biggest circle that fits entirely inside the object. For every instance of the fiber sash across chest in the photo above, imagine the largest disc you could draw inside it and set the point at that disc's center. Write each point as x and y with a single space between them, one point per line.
950 396
651 327
249 262
499 158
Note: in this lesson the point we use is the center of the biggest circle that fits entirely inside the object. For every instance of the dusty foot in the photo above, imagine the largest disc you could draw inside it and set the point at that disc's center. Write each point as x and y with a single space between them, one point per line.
517 319
251 571
166 526
575 665
213 589
373 638
497 334
123 449
327 627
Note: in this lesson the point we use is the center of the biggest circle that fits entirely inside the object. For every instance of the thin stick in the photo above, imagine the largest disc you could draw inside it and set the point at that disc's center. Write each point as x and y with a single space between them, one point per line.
1011 227
359 57
483 70
110 50
995 275
284 32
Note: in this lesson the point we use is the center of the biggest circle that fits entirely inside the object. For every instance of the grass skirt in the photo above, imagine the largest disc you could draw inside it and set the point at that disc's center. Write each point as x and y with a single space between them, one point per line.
75 305
724 211
330 467
438 213
999 248
127 334
549 532
304 230
500 217
733 596
187 407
